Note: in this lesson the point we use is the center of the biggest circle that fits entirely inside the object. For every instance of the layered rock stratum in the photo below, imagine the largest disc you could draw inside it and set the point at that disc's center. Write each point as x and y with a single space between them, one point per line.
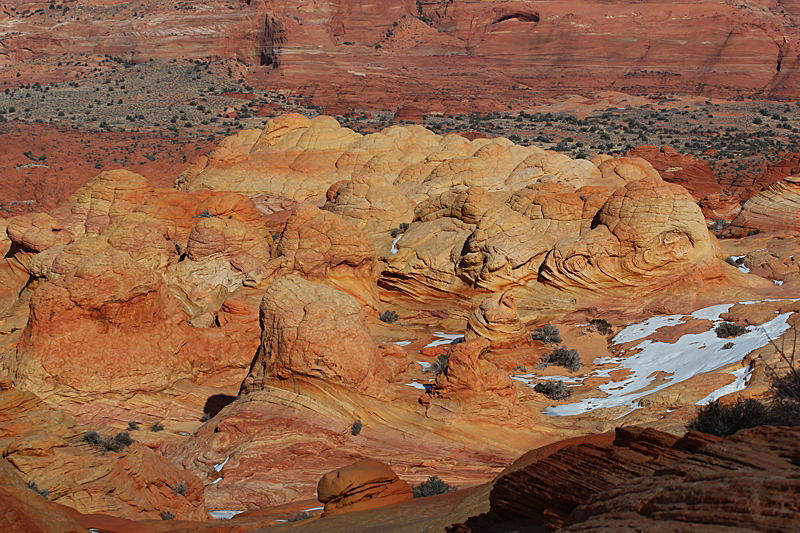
439 50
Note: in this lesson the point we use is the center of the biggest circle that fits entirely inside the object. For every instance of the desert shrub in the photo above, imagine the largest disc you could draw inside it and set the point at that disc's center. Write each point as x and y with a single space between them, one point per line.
180 488
205 214
785 391
439 365
44 493
158 426
601 326
390 317
735 262
206 417
302 515
355 429
563 356
727 346
167 515
403 226
118 442
395 232
719 224
133 426
722 420
726 330
92 437
434 485
553 389
547 334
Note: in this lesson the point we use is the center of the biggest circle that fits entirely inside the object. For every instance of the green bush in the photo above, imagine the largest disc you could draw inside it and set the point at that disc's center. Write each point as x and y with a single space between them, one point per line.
547 334
722 420
601 326
729 329
563 356
553 389
434 485
118 442
355 429
390 317
158 426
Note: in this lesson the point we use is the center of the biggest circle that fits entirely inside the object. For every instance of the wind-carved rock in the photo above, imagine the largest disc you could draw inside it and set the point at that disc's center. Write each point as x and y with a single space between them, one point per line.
366 484
496 320
310 330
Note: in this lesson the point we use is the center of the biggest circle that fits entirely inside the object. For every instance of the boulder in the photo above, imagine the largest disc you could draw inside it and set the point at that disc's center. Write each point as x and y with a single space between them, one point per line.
310 330
366 484
473 387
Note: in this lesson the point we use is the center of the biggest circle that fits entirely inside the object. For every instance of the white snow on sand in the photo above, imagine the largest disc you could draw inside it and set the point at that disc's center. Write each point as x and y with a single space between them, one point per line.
220 466
444 338
692 354
216 481
224 515
743 268
403 343
394 247
416 385
425 366
634 332
742 376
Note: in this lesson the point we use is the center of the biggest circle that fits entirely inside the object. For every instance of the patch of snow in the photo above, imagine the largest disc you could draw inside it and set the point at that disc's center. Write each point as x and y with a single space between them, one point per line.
93 530
183 433
742 376
743 268
444 338
403 343
216 481
635 332
777 282
224 515
425 366
416 385
313 509
692 354
713 312
394 247
220 466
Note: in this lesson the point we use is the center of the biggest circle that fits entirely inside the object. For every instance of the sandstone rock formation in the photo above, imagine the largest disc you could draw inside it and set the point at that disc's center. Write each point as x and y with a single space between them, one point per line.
311 330
695 175
322 247
46 447
706 490
366 484
650 234
112 315
370 203
472 386
773 209
496 320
